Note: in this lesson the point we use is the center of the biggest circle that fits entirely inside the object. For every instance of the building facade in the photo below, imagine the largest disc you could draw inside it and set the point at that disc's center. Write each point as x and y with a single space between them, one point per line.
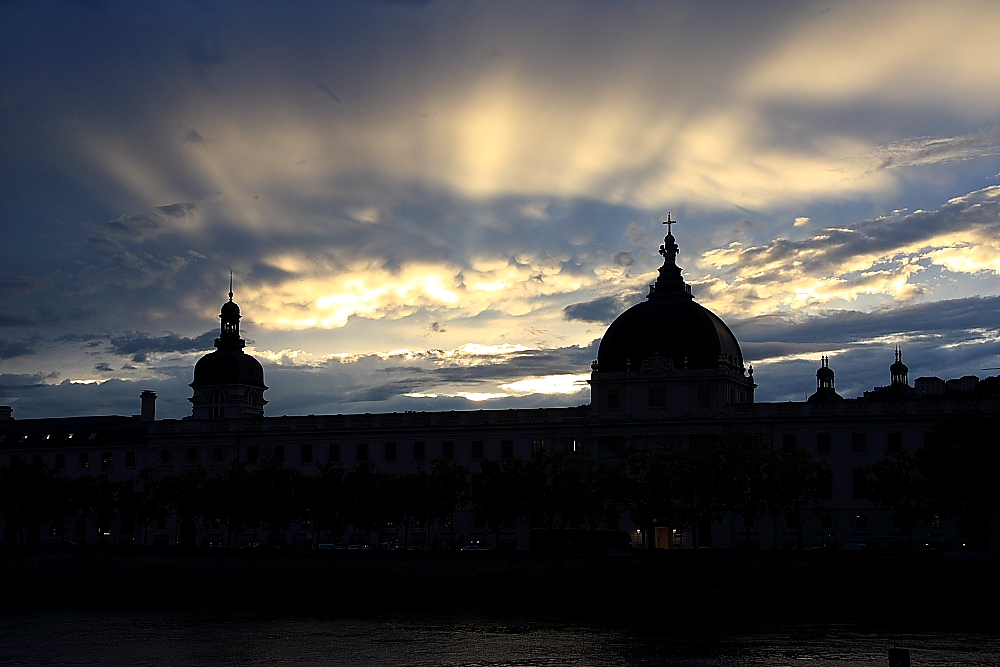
667 370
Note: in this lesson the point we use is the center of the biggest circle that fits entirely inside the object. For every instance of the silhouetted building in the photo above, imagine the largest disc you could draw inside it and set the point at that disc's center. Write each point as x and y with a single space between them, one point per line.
825 390
668 370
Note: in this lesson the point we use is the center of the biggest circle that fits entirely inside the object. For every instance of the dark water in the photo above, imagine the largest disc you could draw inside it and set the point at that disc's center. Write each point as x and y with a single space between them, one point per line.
251 638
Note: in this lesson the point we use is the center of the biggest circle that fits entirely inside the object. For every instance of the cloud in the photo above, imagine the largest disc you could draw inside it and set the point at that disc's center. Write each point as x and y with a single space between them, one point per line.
801 221
15 348
160 219
8 320
623 258
141 345
885 256
602 309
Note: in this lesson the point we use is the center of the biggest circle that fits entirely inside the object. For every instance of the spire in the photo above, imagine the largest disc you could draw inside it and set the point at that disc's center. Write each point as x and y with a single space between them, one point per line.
824 376
230 316
670 282
898 371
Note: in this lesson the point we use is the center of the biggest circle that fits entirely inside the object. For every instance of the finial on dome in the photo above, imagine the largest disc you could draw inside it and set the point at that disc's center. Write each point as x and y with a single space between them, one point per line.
670 281
668 222
230 285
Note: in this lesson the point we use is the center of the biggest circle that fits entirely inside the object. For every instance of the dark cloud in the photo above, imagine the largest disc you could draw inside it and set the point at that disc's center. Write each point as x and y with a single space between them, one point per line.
141 226
937 318
104 367
140 345
191 135
12 286
15 348
8 320
601 310
624 258
328 91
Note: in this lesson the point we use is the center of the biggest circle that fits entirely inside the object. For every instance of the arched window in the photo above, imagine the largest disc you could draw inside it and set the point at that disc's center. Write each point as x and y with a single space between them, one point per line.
215 404
253 398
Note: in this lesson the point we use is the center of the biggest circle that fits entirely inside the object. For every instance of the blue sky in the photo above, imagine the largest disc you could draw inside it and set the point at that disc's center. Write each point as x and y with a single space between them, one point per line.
441 205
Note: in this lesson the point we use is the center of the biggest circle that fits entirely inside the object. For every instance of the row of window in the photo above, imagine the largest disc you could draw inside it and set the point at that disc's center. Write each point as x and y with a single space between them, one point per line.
859 488
859 442
390 451
84 460
658 397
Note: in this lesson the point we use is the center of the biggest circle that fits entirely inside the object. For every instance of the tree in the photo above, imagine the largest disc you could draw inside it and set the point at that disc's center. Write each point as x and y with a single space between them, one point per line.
186 493
695 473
153 499
282 496
896 483
960 463
499 496
649 500
747 469
449 491
30 497
329 501
795 487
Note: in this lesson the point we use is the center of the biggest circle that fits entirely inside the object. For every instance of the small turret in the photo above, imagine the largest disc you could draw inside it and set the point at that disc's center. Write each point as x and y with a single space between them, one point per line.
898 371
825 390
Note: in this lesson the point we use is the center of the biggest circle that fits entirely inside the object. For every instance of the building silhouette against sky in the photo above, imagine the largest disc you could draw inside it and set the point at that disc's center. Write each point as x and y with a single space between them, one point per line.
668 369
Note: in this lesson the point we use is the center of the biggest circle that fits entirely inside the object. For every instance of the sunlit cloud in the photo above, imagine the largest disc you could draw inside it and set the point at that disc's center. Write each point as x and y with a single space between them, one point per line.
883 257
550 384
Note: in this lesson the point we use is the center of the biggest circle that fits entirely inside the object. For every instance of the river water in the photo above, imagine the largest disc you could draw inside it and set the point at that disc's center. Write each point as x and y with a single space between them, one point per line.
248 638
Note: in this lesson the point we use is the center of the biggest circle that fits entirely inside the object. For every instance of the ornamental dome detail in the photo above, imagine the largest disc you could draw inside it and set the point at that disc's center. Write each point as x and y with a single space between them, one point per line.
228 382
669 323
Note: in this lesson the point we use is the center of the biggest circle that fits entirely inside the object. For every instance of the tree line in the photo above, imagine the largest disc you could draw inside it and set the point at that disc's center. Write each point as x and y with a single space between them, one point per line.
952 477
677 484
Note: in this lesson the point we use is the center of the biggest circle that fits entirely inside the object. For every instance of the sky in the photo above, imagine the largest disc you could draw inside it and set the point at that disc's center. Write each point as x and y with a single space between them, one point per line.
441 205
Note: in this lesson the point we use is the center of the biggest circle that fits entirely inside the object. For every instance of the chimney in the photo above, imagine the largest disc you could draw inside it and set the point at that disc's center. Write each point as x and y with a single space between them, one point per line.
148 412
6 413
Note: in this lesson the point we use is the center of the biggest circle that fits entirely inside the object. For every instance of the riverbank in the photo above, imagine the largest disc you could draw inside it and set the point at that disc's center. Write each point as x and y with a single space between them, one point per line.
776 580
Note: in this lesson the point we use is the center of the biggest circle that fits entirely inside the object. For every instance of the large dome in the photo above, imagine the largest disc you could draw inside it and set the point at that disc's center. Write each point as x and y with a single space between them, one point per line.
677 328
228 366
671 324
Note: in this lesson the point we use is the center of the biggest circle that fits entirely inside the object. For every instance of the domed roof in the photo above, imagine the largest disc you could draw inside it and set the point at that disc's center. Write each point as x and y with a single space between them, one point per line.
230 309
670 323
228 366
679 329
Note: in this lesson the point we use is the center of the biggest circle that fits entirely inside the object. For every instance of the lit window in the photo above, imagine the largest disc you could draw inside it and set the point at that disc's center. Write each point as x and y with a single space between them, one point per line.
537 448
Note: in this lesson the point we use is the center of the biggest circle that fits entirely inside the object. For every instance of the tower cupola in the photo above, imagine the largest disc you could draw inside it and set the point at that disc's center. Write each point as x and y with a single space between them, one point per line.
898 371
228 382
